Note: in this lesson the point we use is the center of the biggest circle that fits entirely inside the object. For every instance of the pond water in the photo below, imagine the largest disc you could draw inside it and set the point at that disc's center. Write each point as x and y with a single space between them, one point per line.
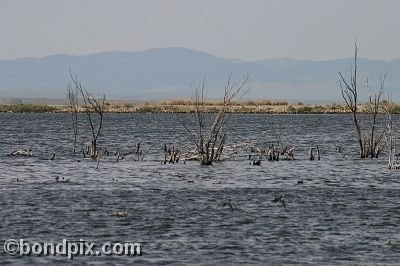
345 211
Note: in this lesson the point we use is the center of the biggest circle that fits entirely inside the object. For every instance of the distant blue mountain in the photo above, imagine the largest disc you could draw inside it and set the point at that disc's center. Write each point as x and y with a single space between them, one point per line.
170 72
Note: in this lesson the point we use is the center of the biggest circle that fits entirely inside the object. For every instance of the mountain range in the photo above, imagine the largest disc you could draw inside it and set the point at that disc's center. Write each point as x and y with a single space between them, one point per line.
167 73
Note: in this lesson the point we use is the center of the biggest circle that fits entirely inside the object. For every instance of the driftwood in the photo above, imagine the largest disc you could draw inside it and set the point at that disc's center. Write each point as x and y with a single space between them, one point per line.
23 153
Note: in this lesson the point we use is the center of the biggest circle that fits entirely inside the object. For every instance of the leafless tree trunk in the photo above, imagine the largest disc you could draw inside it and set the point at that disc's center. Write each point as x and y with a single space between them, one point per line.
92 106
350 95
210 140
74 105
390 136
374 105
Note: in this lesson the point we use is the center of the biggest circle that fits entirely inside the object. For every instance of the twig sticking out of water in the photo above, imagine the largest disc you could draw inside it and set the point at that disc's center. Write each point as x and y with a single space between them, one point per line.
98 161
170 155
311 154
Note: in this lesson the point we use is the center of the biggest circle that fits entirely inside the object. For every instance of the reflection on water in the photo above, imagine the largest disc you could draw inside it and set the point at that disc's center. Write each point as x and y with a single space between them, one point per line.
345 211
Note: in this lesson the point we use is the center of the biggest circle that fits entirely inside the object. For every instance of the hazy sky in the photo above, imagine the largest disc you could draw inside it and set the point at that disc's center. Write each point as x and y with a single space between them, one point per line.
245 29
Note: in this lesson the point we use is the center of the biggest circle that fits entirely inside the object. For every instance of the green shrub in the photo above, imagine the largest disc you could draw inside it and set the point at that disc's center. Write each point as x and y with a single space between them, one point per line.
27 108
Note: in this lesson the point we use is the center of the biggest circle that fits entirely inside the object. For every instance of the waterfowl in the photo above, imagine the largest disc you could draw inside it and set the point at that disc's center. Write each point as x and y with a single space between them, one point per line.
121 213
391 243
300 181
339 148
279 199
177 174
227 204
62 180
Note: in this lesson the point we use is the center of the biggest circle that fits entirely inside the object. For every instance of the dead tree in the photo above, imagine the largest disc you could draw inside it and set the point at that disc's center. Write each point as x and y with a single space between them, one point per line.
390 136
210 139
350 95
92 106
74 105
373 109
369 144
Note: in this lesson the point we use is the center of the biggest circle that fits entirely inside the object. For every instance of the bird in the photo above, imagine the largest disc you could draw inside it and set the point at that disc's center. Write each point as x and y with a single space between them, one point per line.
300 181
227 204
280 199
62 180
121 213
339 148
390 243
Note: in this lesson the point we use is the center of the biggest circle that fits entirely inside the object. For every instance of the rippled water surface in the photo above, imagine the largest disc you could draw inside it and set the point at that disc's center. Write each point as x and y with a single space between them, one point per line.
345 212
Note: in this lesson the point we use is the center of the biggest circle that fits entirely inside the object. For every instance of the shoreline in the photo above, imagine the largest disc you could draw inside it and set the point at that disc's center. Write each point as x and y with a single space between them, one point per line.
187 108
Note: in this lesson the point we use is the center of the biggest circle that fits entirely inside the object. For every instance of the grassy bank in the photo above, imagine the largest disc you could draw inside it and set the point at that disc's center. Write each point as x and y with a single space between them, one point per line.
27 108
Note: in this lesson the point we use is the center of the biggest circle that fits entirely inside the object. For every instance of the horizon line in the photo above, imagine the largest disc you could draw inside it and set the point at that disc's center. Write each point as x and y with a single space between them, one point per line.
193 50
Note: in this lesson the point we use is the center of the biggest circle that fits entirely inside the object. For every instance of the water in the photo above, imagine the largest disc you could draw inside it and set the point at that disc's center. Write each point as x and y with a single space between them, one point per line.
345 212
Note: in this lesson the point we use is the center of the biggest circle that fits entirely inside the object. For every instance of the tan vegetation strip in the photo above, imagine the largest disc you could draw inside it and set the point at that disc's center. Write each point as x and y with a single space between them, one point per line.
166 107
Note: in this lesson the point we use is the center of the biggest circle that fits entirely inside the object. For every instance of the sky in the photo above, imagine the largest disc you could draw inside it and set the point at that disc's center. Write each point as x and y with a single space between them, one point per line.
242 29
